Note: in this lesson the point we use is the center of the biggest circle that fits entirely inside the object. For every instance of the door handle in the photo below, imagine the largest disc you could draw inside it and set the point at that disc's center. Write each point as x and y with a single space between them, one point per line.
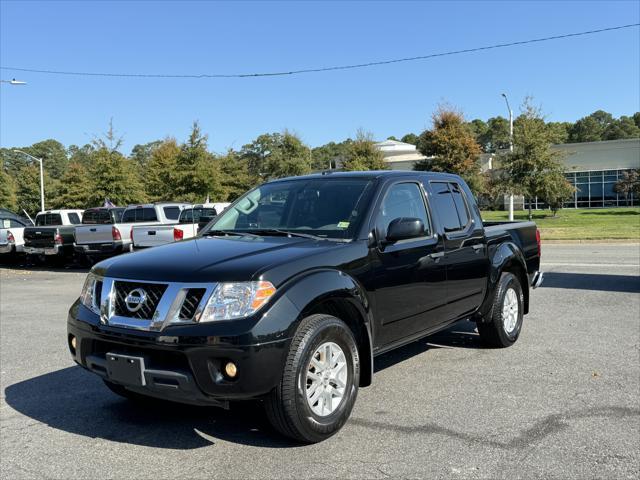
436 255
477 247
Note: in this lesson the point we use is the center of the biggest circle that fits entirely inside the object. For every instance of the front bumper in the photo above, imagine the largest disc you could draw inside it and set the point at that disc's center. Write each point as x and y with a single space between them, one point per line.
182 364
101 249
55 250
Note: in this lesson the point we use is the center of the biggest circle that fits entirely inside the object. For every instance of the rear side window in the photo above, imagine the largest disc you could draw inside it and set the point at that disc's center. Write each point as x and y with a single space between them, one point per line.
139 214
461 205
44 219
451 206
172 213
74 218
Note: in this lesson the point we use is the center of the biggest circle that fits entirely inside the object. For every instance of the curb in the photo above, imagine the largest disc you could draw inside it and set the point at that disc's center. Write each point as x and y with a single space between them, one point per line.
605 241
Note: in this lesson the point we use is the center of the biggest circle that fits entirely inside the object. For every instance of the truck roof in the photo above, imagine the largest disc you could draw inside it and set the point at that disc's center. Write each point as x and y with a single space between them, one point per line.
61 210
370 174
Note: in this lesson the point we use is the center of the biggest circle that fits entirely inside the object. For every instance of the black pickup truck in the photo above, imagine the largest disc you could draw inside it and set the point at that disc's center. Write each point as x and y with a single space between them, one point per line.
288 295
53 234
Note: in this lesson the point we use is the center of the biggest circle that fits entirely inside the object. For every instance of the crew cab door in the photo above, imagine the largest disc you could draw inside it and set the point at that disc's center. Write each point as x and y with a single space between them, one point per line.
465 258
409 278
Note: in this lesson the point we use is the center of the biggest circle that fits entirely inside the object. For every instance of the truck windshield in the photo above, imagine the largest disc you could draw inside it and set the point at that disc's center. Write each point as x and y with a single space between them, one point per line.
45 219
326 207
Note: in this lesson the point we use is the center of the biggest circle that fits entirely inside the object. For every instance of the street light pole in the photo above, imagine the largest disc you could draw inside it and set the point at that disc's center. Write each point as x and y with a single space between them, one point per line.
13 81
510 150
41 176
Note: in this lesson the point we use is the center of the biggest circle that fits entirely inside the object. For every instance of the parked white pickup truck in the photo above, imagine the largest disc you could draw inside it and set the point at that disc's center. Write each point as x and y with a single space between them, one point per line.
145 236
12 236
114 235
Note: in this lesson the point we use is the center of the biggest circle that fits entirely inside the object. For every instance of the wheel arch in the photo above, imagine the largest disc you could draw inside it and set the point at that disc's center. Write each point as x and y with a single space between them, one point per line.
507 257
335 293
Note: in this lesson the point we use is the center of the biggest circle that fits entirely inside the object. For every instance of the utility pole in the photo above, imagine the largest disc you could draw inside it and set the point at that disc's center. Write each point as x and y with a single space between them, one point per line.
510 150
41 176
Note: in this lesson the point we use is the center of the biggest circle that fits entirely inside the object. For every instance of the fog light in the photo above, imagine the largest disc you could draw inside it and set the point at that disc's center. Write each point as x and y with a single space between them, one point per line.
73 342
230 369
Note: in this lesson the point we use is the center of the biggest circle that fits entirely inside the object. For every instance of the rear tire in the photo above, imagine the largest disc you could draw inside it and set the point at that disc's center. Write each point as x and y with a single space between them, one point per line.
319 383
503 328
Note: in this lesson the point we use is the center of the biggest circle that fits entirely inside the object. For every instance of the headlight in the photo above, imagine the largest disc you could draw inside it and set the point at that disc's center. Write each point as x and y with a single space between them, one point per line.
91 292
236 300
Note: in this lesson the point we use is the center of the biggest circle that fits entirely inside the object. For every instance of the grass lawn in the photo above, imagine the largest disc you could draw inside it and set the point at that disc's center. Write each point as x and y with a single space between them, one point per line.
582 223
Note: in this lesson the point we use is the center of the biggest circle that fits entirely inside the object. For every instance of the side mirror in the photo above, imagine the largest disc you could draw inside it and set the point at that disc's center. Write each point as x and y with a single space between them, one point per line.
403 228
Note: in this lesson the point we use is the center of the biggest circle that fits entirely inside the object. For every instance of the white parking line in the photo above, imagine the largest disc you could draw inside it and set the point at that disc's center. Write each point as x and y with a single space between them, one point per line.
615 265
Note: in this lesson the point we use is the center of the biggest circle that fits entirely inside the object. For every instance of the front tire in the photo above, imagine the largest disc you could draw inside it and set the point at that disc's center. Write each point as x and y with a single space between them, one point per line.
503 328
319 383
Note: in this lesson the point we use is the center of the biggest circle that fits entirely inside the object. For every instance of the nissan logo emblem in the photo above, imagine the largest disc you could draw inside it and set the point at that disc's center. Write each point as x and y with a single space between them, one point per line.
135 300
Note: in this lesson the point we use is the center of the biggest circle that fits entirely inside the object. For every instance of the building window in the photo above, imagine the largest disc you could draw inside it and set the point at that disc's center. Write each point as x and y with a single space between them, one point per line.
594 189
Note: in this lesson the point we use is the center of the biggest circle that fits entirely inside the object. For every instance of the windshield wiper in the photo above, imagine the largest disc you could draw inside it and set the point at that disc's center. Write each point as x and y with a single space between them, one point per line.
277 231
215 233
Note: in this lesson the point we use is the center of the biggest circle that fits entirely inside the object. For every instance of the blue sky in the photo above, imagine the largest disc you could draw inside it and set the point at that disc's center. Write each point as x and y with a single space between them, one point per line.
569 78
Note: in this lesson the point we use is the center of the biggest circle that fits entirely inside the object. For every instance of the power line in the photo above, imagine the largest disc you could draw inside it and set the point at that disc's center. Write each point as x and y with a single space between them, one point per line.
322 69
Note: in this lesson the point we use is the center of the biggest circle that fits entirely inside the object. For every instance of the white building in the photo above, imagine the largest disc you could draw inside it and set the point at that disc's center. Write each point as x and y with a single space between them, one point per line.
399 155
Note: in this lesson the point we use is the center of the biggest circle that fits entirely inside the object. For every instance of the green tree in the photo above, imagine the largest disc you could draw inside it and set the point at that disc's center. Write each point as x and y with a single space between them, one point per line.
196 174
532 169
53 155
235 176
411 138
559 131
277 155
450 146
480 131
590 128
141 154
81 155
636 119
75 188
114 177
27 183
623 127
554 190
328 156
160 173
362 154
628 184
8 197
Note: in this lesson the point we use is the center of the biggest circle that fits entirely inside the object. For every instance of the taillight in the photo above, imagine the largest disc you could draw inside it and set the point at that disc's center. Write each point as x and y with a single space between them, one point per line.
539 242
57 239
115 233
10 238
177 234
131 234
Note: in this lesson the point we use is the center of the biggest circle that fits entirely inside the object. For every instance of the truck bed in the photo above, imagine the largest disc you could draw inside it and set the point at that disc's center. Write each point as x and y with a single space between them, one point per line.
523 234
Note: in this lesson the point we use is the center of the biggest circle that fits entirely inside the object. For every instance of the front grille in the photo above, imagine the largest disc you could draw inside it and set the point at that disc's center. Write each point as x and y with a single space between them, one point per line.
154 292
191 302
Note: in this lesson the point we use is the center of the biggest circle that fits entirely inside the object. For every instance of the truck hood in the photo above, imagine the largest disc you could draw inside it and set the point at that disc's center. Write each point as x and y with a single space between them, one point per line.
211 259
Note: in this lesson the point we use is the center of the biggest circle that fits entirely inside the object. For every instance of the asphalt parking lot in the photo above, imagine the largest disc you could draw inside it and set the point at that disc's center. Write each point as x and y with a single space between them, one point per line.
564 402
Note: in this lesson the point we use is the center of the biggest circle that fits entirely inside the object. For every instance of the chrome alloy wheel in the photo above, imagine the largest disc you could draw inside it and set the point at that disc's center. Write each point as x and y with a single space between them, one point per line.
510 311
326 379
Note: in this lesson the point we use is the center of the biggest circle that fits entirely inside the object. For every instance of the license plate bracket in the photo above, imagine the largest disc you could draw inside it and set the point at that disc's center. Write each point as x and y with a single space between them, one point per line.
126 369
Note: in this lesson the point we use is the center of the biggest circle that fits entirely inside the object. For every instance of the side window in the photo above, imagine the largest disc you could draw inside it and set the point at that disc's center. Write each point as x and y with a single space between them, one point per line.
74 218
403 200
117 214
172 213
445 206
461 205
149 215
